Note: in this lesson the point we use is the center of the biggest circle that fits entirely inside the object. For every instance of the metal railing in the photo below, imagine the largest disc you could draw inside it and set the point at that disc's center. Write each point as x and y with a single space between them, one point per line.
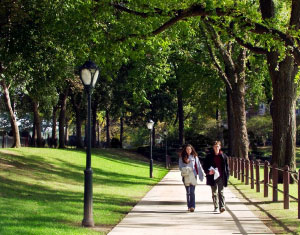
7 141
244 171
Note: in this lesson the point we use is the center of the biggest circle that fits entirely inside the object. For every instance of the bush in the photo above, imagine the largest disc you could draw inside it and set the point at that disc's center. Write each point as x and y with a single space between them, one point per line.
158 154
198 141
115 143
259 130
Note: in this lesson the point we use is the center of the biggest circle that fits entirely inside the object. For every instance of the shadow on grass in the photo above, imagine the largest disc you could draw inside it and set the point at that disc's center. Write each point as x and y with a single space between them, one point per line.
36 167
26 206
257 205
130 161
21 201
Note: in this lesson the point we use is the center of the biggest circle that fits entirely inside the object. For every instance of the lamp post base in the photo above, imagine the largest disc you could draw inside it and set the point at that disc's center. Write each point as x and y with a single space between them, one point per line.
88 220
88 223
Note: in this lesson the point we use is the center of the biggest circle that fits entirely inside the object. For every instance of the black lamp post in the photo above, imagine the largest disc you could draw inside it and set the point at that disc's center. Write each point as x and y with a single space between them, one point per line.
88 75
150 125
166 139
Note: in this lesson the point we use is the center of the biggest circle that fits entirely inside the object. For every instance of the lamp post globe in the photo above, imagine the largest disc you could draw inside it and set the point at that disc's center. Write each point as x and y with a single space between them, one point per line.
89 73
150 125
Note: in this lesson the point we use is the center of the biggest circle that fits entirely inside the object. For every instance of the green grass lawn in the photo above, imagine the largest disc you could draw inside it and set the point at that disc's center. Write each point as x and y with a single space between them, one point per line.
41 190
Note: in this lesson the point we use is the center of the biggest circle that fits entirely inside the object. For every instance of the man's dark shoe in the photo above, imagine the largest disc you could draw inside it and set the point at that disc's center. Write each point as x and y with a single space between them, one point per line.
222 209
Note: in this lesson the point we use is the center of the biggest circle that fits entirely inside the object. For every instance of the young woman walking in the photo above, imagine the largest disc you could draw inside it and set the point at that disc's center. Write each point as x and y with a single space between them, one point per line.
190 167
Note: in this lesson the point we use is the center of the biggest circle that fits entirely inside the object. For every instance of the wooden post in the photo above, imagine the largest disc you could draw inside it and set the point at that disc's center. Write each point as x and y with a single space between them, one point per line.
252 173
286 184
257 176
266 179
275 182
247 172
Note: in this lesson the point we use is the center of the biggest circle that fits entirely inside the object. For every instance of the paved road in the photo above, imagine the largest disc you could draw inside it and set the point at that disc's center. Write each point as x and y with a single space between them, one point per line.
163 211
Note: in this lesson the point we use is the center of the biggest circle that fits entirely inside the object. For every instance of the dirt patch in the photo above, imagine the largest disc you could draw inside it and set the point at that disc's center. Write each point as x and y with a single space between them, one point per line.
5 151
128 153
103 228
4 164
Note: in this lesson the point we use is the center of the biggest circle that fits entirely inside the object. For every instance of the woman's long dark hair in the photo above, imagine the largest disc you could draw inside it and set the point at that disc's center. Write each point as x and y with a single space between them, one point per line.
184 156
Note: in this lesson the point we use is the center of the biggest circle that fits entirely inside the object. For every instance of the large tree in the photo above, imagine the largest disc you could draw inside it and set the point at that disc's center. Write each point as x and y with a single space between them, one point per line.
278 25
273 35
230 62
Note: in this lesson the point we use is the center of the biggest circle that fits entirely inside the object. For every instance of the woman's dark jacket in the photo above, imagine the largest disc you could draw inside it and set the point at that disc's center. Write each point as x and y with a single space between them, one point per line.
209 162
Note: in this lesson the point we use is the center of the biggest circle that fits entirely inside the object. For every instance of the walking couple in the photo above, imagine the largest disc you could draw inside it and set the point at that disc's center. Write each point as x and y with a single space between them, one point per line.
215 168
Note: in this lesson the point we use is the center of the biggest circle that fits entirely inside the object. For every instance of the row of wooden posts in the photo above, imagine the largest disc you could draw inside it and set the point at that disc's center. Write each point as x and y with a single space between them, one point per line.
244 170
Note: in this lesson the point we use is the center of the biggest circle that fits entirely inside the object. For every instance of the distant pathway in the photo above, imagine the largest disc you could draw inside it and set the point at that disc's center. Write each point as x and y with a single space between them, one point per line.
163 211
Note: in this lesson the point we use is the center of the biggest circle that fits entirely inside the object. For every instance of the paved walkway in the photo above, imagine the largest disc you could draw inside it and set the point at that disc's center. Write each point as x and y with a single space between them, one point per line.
163 211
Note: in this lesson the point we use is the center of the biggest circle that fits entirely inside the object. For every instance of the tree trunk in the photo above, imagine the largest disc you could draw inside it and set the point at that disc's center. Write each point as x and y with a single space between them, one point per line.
241 142
180 116
53 137
283 112
219 126
67 131
37 123
76 99
33 139
284 94
230 122
13 121
99 134
107 130
237 81
234 78
121 131
62 117
79 143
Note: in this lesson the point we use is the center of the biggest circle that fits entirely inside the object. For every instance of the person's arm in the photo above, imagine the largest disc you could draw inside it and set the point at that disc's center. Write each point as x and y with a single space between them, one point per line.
207 165
200 169
226 165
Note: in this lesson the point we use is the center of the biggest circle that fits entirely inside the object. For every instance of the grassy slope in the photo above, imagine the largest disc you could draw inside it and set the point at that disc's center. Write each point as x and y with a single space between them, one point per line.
41 190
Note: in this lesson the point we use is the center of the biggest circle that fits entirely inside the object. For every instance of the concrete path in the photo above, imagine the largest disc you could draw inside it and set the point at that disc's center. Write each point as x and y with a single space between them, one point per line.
163 211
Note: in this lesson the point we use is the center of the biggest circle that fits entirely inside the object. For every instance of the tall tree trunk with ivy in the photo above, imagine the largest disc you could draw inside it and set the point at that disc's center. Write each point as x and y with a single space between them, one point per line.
283 75
233 76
